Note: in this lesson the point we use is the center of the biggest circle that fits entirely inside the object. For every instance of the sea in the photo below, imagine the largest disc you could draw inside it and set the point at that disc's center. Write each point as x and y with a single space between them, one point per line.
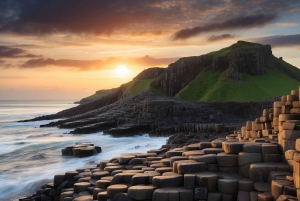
30 156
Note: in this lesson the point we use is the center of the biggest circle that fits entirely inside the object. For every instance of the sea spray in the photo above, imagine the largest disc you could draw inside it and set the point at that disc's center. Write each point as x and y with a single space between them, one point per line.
30 156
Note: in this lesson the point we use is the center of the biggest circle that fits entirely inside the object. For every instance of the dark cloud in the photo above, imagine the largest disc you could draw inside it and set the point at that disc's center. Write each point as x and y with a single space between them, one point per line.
279 40
233 23
76 16
107 64
39 17
214 38
11 52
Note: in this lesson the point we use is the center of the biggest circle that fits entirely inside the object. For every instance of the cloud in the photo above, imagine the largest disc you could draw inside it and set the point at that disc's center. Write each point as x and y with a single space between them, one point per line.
150 61
233 23
13 77
136 17
28 46
279 40
11 52
214 38
94 16
287 24
108 64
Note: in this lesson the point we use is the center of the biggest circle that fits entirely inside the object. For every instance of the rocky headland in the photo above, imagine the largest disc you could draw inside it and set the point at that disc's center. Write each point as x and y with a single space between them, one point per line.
158 100
258 162
157 114
217 150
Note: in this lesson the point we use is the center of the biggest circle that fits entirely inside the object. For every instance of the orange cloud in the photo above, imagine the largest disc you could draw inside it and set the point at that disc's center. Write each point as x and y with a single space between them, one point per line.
287 24
87 65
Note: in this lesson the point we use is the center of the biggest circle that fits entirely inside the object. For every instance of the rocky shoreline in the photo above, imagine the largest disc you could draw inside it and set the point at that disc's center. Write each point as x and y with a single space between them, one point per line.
157 114
259 162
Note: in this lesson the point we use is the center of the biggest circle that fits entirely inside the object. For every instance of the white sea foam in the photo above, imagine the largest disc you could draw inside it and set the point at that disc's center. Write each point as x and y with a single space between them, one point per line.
31 156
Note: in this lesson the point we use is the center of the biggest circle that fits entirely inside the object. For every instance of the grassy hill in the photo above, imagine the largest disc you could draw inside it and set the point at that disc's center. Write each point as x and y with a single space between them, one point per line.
289 66
137 86
95 96
226 50
212 86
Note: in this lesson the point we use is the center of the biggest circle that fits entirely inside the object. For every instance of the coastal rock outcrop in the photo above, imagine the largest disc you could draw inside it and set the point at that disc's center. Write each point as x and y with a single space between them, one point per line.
81 149
148 112
230 62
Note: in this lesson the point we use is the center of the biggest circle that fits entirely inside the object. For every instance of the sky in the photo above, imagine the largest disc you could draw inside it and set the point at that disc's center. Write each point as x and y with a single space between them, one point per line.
68 49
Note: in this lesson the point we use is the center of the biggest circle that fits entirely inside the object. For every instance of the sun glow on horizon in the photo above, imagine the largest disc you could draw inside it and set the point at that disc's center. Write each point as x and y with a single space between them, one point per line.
122 71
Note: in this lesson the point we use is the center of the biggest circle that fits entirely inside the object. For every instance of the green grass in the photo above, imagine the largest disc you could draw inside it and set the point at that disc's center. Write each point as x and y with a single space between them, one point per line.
199 86
137 86
226 50
211 86
98 94
289 66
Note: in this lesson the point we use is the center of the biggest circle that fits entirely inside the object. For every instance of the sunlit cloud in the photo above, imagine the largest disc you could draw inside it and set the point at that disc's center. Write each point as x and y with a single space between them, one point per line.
88 65
287 24
13 77
28 46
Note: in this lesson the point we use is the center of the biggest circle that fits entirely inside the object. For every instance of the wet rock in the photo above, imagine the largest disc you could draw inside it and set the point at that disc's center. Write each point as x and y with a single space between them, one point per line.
81 150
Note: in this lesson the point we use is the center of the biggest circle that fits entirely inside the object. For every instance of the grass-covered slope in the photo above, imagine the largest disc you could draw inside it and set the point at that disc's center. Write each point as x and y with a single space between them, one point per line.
137 86
226 50
289 66
212 86
96 96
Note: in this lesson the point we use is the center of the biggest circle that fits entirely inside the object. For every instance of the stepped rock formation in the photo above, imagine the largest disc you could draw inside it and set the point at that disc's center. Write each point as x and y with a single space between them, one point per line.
149 112
81 149
253 60
259 162
182 72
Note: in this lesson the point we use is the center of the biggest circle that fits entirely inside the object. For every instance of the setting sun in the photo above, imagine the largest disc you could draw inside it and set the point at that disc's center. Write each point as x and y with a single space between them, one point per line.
122 71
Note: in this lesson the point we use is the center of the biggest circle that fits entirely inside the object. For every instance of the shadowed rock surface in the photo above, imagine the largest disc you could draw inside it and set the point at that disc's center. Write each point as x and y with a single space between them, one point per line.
149 112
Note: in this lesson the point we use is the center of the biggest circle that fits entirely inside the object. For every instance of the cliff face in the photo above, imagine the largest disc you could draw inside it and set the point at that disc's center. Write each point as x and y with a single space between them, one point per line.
242 57
252 60
150 73
181 73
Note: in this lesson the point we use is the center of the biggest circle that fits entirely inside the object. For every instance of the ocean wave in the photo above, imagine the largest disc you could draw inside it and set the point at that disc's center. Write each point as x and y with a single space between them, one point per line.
39 135
38 157
20 143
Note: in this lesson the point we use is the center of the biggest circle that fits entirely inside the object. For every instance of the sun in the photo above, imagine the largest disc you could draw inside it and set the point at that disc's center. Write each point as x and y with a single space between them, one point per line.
122 71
